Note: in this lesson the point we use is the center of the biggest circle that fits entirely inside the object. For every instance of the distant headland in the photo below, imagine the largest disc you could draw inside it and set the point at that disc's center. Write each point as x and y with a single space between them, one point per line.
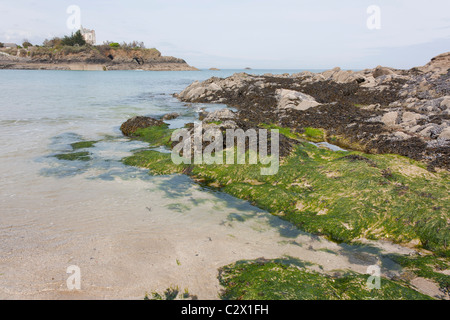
79 52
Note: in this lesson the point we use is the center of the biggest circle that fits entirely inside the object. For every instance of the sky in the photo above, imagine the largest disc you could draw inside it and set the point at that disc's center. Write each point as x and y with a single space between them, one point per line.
261 34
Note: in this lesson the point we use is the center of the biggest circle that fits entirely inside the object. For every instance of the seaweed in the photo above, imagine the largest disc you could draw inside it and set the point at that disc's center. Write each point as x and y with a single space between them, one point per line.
290 279
344 196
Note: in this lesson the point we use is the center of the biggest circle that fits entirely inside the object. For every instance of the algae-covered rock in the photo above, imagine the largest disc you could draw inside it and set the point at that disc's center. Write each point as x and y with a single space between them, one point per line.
129 127
83 145
171 116
74 156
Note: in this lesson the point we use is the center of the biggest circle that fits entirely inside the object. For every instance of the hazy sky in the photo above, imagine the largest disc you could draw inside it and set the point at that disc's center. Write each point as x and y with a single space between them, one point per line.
300 34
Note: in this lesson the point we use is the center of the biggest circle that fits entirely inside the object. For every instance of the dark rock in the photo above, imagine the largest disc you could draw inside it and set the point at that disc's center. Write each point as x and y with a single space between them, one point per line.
171 116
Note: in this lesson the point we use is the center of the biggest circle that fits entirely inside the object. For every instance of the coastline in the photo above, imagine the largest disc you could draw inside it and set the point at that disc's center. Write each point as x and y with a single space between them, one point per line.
95 67
90 58
124 249
413 189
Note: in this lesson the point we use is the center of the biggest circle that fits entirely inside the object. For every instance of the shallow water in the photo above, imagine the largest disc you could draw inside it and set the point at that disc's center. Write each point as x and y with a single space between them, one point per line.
129 232
328 145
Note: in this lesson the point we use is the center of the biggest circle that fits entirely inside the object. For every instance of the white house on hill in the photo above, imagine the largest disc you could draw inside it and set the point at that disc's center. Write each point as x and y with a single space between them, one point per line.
88 35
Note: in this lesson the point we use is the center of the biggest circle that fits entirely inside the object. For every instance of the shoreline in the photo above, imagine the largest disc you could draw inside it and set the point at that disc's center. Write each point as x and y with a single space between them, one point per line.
92 67
100 221
89 57
317 187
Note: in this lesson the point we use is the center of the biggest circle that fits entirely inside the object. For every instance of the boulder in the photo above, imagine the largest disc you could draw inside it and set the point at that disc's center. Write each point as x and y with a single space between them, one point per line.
139 122
401 136
445 134
431 131
329 73
290 99
192 92
390 118
343 76
382 71
410 118
171 116
337 75
445 103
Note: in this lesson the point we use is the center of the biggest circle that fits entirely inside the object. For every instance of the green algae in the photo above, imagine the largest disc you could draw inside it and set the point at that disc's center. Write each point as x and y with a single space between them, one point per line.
171 293
309 133
83 145
315 134
284 131
155 135
215 122
290 279
344 196
159 163
74 156
345 200
427 266
79 155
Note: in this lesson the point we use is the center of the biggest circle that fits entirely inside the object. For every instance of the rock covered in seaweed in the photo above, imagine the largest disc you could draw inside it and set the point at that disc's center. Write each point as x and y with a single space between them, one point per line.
139 122
170 116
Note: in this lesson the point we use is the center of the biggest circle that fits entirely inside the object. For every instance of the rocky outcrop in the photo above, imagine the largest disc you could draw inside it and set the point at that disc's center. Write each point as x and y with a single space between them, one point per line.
381 110
437 67
93 58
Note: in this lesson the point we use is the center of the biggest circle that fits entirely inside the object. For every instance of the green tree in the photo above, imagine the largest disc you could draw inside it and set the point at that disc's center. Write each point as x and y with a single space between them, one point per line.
26 43
2 44
75 39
